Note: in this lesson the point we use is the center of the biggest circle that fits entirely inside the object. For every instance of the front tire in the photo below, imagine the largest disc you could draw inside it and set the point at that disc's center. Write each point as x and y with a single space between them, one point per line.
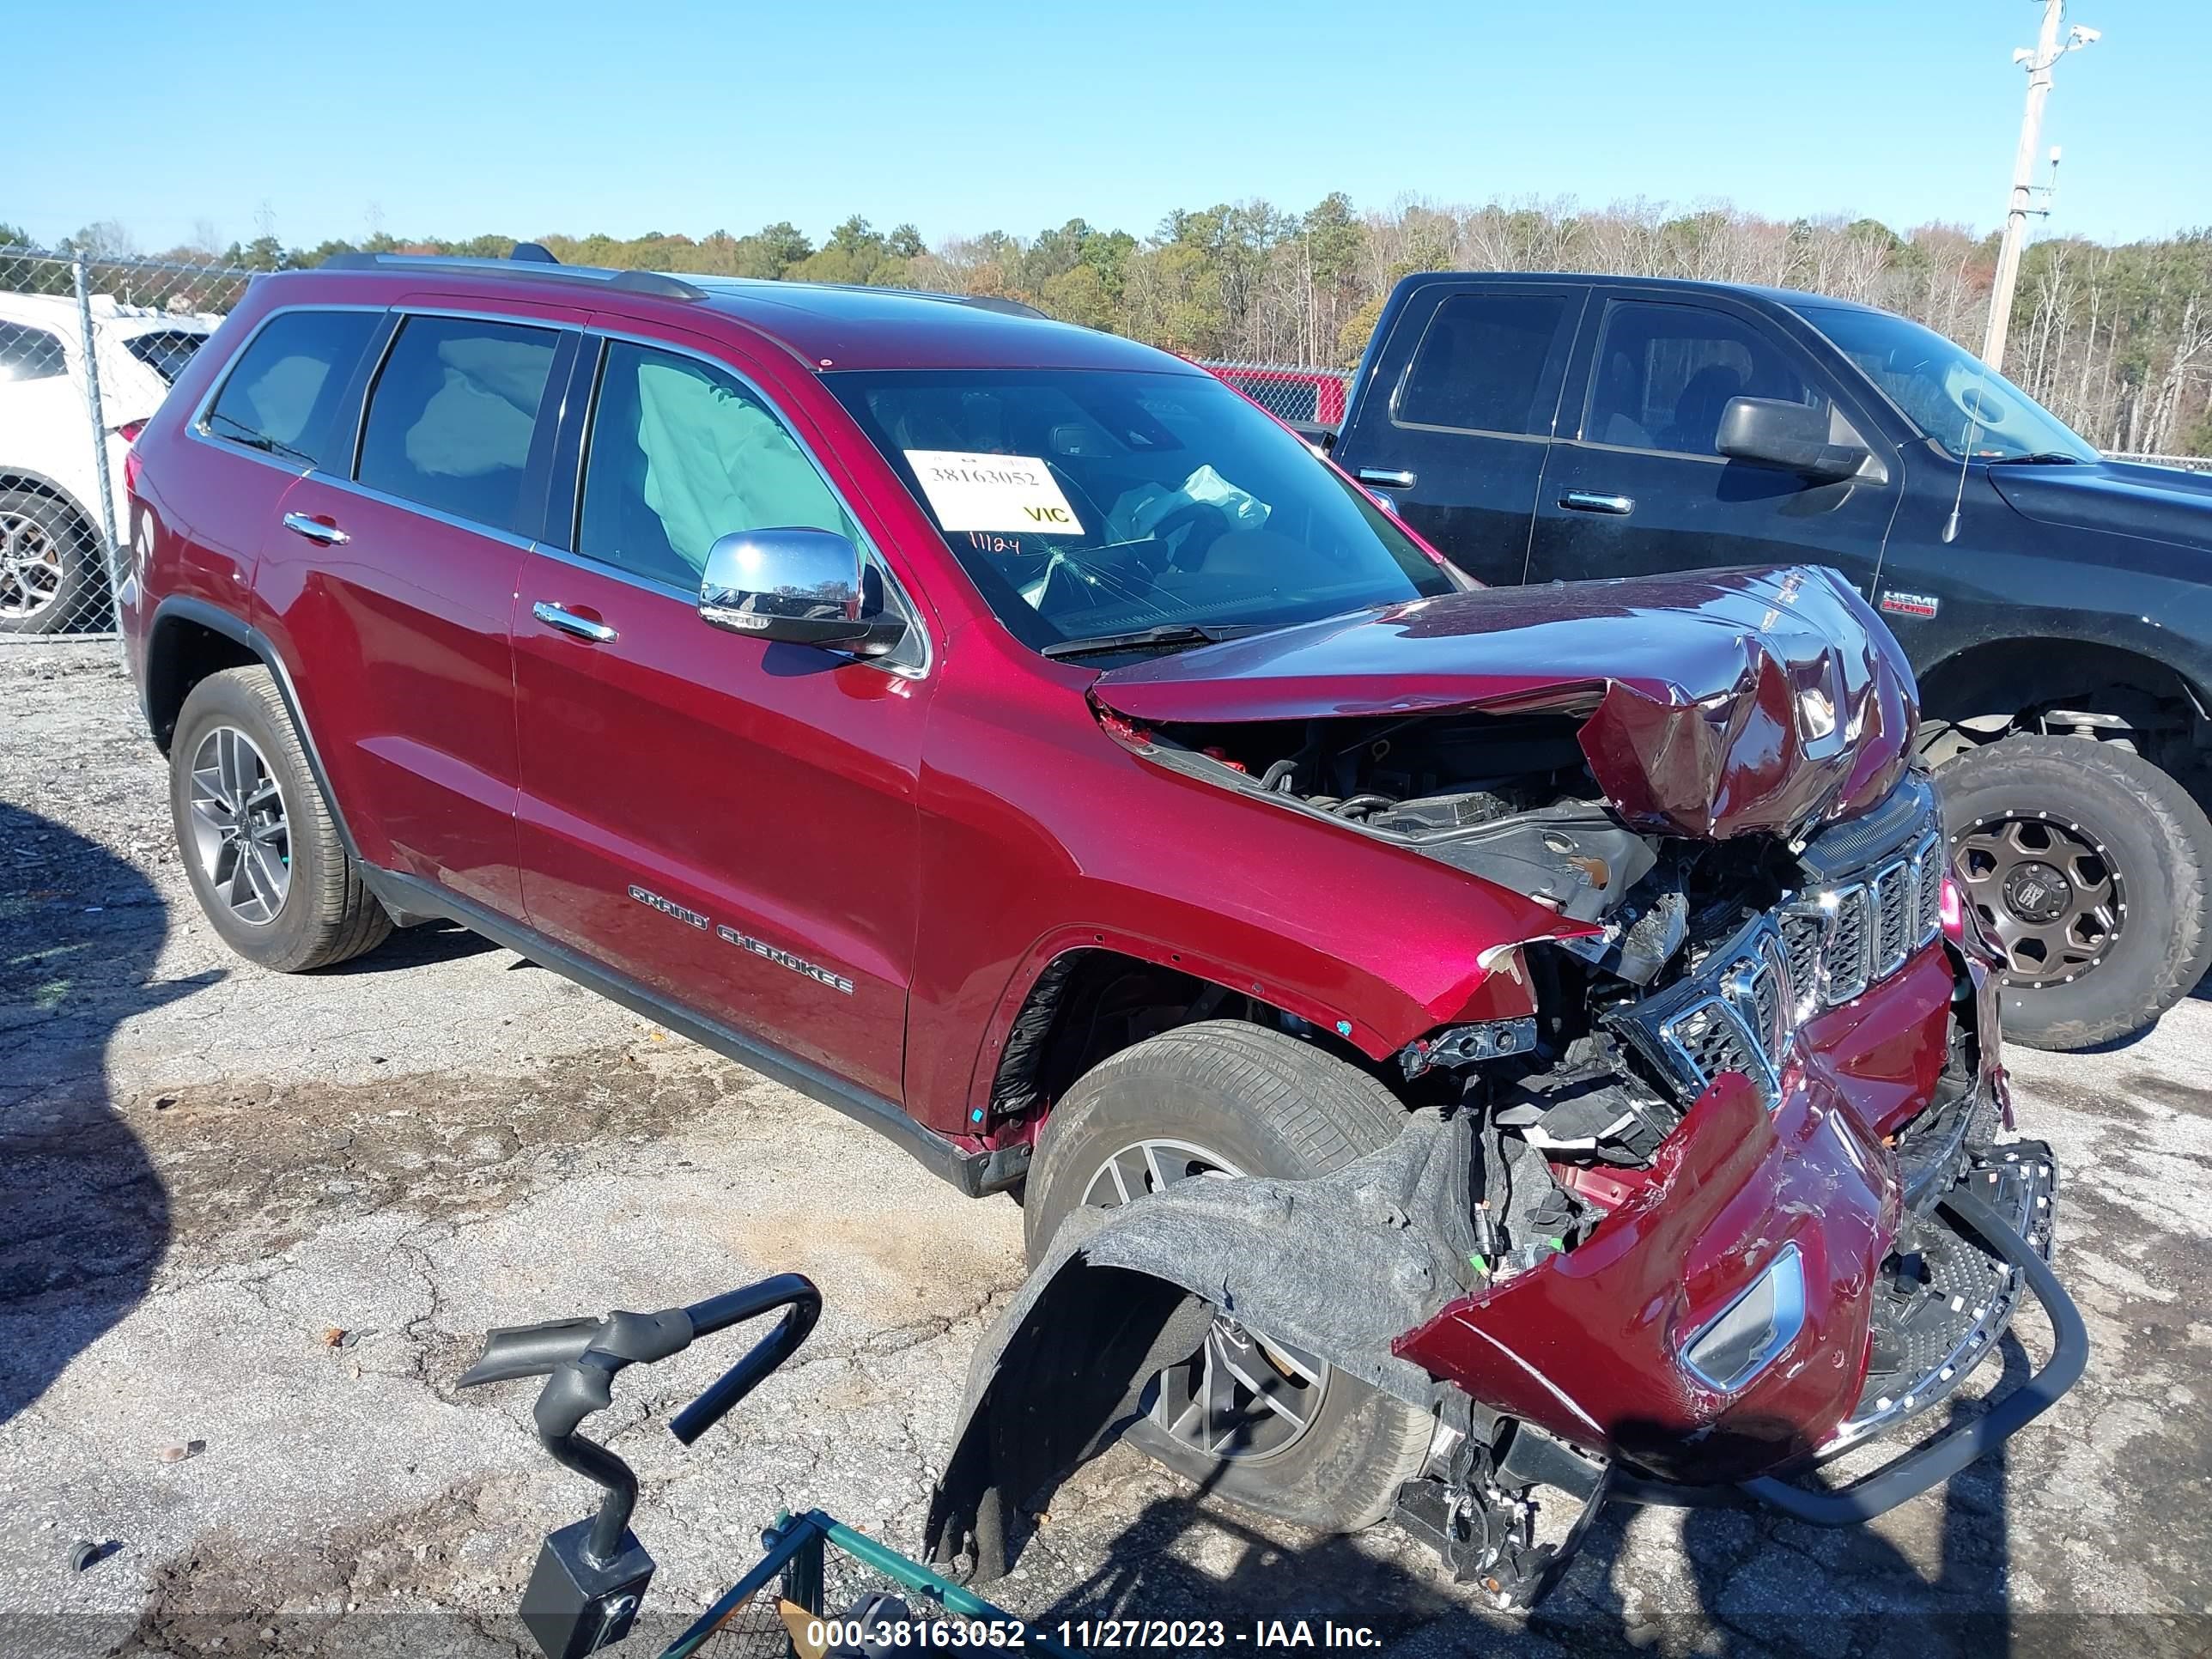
256 839
1227 1097
2089 866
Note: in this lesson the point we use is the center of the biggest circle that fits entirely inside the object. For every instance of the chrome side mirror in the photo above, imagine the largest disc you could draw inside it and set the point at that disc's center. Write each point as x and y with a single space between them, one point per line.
800 586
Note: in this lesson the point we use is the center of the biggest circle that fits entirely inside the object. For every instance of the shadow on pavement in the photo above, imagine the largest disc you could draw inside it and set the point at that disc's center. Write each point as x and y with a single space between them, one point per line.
413 947
84 1219
1743 1582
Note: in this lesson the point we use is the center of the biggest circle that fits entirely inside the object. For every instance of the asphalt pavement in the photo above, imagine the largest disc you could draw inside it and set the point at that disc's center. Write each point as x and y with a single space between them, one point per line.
252 1228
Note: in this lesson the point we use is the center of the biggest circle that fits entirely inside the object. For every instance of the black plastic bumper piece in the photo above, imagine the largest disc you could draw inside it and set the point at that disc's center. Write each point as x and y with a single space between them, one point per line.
1936 1462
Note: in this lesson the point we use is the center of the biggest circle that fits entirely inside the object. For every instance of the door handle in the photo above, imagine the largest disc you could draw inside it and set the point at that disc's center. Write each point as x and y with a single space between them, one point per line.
569 623
315 529
1585 501
1385 476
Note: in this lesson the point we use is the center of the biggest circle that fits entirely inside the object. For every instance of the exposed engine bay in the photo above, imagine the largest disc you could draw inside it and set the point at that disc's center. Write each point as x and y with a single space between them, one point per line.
1510 798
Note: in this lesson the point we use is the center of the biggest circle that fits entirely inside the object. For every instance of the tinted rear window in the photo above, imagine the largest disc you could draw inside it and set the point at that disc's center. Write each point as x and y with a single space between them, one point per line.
281 394
450 421
166 353
1486 364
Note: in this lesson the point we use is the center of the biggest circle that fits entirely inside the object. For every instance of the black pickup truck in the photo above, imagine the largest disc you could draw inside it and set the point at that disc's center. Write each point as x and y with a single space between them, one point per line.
2053 604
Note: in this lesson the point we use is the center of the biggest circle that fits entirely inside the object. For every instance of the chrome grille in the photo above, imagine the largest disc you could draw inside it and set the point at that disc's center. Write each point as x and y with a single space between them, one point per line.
1736 1015
1800 944
1929 862
1893 898
1870 919
1712 1041
1859 920
1843 955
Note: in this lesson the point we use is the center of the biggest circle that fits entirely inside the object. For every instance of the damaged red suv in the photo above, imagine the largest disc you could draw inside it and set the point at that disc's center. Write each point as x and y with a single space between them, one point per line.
1450 1045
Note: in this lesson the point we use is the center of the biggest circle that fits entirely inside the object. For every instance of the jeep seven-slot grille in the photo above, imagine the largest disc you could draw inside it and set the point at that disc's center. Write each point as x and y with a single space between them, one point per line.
1867 928
1861 919
1713 1043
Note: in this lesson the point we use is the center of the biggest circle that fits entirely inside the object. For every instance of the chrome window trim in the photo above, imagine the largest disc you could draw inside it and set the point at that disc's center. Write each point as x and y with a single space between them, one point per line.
475 527
583 561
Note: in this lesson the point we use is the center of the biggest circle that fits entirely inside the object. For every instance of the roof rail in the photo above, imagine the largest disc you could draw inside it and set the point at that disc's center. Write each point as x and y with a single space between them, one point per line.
999 303
526 267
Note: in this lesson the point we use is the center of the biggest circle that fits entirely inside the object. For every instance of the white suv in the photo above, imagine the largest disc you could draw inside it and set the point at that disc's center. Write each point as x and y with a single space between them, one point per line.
51 570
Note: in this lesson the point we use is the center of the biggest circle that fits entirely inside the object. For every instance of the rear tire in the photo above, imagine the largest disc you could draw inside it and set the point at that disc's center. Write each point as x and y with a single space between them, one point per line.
1240 1096
303 906
2083 805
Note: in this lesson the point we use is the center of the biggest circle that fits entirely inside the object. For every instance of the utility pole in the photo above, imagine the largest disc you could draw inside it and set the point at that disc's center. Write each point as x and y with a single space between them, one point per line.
2048 51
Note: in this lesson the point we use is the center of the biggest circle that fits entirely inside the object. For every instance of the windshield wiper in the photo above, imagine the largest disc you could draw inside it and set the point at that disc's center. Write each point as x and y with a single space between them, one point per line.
246 434
2039 458
1167 634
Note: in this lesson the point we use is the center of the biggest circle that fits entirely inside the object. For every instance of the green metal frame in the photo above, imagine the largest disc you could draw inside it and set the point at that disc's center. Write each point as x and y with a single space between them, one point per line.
798 1542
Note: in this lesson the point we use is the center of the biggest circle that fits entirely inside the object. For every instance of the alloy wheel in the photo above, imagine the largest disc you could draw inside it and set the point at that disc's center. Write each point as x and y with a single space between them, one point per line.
1241 1396
30 566
239 831
2048 891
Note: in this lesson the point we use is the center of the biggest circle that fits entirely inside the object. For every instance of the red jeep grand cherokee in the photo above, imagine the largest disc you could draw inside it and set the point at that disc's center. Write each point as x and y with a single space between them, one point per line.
1010 736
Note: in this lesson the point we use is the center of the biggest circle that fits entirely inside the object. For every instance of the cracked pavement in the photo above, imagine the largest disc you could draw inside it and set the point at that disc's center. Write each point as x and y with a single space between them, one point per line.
269 1219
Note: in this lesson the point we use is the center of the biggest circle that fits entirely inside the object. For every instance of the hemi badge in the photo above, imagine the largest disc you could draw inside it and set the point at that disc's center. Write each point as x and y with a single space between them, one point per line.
1898 603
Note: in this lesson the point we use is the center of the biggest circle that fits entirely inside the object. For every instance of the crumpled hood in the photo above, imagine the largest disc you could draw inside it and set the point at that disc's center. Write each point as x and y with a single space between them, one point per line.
2159 503
1719 703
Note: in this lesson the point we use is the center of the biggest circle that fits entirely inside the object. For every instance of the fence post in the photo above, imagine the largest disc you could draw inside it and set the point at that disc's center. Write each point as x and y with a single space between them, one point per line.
112 548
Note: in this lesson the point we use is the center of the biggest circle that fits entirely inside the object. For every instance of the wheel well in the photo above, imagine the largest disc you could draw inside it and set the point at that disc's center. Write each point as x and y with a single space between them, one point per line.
1089 1004
182 653
1993 690
32 483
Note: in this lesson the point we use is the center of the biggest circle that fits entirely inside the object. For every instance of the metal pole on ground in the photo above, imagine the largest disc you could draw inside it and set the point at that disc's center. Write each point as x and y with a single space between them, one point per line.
112 547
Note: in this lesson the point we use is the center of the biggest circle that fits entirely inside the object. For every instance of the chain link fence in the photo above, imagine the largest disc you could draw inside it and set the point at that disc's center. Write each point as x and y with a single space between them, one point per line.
88 346
1314 397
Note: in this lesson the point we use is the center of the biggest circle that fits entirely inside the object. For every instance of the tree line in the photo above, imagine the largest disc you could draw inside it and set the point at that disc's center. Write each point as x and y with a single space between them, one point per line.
2117 340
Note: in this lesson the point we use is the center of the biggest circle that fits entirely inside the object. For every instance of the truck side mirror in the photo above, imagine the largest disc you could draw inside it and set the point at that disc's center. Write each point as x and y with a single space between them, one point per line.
1773 432
802 587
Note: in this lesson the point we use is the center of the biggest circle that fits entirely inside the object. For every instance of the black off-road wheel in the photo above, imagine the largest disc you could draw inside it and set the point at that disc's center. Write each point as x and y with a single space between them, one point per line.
2087 867
258 842
1253 1420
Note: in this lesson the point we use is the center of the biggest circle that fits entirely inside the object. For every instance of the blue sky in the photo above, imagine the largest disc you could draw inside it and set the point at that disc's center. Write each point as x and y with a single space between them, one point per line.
457 118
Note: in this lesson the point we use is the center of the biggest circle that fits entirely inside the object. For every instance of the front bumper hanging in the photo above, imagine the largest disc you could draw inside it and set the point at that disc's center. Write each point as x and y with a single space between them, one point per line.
2002 1203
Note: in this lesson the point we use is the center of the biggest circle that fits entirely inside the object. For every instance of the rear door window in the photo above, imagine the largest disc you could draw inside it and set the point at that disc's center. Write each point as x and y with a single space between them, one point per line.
281 395
1489 362
1665 373
454 414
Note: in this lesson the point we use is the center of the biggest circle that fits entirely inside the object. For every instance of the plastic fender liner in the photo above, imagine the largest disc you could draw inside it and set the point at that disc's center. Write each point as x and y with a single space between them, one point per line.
1340 1265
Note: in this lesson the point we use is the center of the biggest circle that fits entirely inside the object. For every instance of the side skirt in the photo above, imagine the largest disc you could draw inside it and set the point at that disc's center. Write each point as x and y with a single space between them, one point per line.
973 1173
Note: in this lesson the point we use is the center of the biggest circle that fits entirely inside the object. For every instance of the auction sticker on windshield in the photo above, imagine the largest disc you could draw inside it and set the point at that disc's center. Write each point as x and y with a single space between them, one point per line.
993 492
